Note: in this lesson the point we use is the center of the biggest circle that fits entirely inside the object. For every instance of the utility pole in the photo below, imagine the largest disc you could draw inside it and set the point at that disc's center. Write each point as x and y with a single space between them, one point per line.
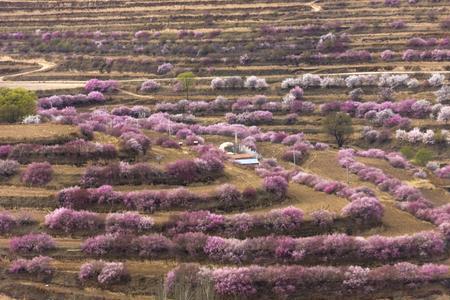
235 143
348 176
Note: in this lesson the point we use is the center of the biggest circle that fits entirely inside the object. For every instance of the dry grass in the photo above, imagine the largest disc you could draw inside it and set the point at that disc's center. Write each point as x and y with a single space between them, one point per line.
178 8
42 133
233 174
395 221
436 195
15 191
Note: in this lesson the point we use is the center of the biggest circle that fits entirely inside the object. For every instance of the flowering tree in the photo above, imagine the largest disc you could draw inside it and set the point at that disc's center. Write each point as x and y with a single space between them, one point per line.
107 244
332 42
90 270
38 174
128 222
417 136
104 273
444 115
366 209
332 81
149 86
101 85
142 35
184 170
323 218
234 82
392 81
398 24
113 273
32 243
276 185
165 68
356 94
153 246
250 118
228 195
288 219
392 2
255 83
421 109
69 220
443 172
39 267
217 83
8 168
436 80
7 223
443 94
387 55
411 55
257 282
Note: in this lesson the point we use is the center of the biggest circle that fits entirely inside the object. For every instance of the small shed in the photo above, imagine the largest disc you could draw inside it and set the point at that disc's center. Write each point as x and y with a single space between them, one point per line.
245 159
240 154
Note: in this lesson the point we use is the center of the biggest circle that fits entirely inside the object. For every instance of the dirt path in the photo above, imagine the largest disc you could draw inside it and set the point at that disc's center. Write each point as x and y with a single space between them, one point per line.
137 95
315 7
8 80
44 66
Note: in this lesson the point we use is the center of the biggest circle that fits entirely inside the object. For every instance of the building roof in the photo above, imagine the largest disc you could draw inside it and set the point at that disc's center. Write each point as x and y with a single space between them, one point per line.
243 156
249 161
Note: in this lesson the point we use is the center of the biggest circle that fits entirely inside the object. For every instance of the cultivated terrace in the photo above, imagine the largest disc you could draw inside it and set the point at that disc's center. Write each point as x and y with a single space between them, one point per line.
224 149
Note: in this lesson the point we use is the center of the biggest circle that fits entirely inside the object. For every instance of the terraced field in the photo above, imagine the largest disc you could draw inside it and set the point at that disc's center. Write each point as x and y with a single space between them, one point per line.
115 185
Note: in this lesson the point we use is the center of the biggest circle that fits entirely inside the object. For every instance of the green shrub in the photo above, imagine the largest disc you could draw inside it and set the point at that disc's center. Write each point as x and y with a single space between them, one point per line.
339 126
408 152
187 80
15 104
423 156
